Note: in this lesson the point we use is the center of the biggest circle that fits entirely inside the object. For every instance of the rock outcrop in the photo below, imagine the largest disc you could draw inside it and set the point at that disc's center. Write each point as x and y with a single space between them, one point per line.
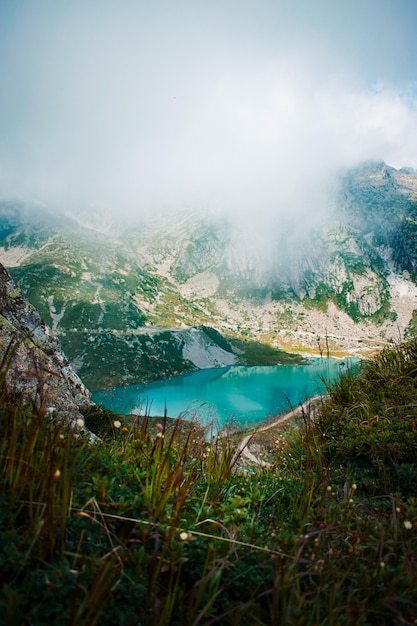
34 366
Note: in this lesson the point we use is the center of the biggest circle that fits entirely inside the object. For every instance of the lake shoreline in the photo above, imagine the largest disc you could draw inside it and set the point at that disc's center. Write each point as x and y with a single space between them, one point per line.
308 408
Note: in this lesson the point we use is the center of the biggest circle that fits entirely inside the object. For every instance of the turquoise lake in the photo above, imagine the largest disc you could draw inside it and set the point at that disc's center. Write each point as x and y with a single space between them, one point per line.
245 395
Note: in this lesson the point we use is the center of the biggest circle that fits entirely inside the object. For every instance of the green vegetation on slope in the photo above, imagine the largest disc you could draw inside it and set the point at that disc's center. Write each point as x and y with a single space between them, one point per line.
255 353
109 359
369 424
152 525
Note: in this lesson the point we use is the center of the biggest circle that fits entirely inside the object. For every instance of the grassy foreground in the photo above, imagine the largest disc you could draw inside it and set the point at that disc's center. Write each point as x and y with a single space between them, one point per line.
152 525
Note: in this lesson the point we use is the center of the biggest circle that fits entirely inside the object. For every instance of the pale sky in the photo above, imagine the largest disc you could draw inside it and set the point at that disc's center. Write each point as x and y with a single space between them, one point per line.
248 106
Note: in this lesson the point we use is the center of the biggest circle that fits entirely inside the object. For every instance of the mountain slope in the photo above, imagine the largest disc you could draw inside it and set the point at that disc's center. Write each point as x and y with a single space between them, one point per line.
124 296
118 319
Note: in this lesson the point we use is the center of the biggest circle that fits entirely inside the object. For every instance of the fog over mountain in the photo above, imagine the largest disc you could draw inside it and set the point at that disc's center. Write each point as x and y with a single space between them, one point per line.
228 106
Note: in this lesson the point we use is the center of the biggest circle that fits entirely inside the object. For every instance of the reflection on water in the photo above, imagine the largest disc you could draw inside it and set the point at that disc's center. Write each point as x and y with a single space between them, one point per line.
246 395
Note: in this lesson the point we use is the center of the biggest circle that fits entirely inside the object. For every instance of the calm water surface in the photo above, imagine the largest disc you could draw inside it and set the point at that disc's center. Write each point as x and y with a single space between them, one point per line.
246 395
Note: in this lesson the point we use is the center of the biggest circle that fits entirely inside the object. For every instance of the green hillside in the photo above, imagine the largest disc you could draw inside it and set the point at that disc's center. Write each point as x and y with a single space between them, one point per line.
154 525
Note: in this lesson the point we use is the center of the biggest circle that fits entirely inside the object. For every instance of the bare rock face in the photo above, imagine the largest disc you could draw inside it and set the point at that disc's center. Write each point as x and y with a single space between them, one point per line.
33 363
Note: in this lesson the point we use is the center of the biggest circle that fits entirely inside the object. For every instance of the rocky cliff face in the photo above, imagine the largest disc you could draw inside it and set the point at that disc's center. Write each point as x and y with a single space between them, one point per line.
33 363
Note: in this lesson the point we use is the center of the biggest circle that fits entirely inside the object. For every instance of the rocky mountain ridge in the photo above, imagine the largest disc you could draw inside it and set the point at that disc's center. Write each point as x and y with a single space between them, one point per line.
142 299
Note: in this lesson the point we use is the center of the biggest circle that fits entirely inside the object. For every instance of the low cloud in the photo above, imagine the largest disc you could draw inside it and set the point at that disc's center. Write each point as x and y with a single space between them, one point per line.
136 110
